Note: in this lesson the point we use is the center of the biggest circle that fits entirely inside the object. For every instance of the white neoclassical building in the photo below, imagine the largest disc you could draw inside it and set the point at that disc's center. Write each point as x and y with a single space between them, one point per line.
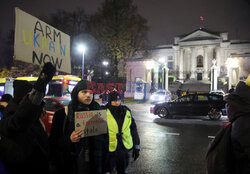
190 59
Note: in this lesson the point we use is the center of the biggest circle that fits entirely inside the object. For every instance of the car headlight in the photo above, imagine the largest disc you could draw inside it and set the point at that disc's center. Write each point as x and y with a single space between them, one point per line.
152 97
161 98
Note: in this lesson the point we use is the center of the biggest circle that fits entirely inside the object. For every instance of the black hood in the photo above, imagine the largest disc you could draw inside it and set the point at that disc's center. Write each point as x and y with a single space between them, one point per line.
81 85
21 88
239 101
241 93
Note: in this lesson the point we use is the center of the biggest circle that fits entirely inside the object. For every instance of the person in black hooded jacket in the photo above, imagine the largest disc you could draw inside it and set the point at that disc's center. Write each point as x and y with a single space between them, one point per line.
88 151
24 145
123 135
238 105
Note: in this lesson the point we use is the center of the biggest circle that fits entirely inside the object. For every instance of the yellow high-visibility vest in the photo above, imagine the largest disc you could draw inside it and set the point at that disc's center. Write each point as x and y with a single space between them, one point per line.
113 130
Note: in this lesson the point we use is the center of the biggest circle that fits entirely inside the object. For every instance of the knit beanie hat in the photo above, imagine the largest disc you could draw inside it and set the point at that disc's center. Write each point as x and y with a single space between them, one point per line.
114 96
21 88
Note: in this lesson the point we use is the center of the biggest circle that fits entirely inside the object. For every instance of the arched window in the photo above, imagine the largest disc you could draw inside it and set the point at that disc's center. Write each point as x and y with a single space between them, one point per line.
199 61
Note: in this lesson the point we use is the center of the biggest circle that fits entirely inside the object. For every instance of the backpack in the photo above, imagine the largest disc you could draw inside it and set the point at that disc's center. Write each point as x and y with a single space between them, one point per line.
219 158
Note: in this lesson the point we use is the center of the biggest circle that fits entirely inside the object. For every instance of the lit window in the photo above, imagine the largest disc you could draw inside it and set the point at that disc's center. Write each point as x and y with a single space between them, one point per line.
199 61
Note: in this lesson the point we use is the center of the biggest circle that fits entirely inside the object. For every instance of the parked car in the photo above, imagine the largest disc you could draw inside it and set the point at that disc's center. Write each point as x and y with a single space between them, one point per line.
161 95
51 106
218 91
192 105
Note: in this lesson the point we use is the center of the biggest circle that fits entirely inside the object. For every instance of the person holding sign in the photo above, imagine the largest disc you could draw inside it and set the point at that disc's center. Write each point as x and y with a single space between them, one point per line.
88 150
123 135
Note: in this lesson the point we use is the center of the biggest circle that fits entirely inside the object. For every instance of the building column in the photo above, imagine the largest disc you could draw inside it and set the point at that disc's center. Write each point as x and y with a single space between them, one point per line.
233 76
181 65
206 68
176 63
193 60
166 77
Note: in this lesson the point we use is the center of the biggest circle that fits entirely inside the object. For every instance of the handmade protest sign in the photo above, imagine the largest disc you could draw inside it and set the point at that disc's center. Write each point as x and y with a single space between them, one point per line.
37 42
91 122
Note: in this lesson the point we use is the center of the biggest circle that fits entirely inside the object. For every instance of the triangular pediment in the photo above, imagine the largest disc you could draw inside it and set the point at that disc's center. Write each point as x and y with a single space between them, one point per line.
200 34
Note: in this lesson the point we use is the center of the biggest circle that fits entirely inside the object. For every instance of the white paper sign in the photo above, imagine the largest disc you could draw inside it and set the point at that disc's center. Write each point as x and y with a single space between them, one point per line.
37 42
91 122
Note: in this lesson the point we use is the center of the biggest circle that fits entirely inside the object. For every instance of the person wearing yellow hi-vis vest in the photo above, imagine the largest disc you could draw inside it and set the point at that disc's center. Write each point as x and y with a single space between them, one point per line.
123 135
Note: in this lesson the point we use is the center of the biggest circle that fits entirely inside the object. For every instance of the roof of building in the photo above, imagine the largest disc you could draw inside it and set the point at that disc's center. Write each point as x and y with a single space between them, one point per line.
201 29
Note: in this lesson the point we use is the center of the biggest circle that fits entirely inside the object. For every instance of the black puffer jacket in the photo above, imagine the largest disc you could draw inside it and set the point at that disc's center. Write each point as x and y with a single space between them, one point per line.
238 105
24 146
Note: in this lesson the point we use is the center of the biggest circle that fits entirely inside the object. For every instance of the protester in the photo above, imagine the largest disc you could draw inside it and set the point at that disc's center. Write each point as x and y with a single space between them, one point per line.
24 146
122 95
104 96
179 93
4 102
88 151
61 160
123 135
238 106
232 89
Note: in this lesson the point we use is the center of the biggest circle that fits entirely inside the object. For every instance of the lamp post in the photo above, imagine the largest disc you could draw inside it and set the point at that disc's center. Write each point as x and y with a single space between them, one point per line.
214 75
81 48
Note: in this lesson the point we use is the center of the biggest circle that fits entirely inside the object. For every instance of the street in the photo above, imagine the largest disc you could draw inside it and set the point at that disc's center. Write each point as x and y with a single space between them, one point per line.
172 146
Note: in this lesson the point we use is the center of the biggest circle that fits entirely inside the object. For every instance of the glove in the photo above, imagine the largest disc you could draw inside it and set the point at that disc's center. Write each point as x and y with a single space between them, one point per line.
136 153
45 77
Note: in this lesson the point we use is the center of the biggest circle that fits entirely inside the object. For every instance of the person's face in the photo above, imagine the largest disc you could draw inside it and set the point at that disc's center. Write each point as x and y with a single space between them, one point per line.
116 103
85 96
4 104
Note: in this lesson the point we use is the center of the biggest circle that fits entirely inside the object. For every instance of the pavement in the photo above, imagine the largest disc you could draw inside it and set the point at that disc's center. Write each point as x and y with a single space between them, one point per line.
139 106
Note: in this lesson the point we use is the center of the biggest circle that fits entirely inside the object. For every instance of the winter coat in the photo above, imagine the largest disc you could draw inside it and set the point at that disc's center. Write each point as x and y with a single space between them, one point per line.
239 105
24 145
89 151
62 160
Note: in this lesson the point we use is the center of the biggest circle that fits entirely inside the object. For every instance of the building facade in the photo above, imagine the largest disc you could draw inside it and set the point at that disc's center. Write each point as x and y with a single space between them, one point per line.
191 59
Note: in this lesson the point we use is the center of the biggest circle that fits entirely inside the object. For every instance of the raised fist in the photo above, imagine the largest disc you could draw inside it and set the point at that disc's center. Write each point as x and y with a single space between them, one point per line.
45 77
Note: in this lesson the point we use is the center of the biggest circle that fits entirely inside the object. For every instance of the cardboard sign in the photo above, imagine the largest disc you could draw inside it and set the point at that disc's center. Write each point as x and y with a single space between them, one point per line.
91 122
37 42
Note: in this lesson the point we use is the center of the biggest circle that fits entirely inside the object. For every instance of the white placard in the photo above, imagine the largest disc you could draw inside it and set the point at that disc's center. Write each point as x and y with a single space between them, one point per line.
37 42
91 122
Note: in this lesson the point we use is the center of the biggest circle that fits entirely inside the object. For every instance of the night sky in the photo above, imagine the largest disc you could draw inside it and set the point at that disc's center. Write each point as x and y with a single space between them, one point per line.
166 18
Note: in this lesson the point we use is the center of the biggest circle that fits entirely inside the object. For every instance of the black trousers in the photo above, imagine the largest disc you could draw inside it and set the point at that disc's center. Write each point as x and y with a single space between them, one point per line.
118 160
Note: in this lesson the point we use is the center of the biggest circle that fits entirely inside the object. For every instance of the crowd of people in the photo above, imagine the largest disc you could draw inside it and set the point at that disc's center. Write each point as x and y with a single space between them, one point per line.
25 147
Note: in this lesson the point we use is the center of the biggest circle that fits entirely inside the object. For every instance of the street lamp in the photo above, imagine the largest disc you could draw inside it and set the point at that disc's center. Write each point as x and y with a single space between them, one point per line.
105 63
81 48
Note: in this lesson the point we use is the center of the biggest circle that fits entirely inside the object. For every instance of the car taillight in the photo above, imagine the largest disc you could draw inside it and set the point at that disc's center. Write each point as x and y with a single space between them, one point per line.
65 81
151 110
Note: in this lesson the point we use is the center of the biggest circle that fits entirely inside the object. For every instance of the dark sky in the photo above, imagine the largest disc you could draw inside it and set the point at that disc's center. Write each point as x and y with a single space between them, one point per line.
166 18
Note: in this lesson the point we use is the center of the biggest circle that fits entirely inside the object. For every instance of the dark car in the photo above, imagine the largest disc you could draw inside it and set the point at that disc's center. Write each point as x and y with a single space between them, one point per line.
192 105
